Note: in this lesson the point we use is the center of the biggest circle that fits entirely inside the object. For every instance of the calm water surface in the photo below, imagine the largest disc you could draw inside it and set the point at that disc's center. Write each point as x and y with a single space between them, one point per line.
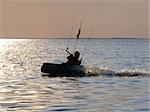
24 89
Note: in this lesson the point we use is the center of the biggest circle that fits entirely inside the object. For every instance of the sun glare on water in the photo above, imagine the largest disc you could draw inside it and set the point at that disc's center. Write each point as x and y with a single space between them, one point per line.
4 42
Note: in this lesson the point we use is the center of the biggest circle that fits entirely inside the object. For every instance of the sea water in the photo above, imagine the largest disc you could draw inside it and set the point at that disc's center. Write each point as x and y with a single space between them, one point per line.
24 89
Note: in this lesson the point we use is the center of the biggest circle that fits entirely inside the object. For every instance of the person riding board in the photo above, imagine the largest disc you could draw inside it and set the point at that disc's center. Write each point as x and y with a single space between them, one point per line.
74 59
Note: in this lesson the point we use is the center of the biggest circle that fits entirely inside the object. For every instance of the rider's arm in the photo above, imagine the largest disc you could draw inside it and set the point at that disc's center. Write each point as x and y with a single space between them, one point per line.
68 51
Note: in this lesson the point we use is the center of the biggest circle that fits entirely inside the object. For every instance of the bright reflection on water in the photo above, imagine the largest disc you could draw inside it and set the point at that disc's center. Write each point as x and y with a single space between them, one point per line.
23 89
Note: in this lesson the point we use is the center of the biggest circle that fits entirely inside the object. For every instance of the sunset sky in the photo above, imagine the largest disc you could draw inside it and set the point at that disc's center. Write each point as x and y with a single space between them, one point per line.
54 18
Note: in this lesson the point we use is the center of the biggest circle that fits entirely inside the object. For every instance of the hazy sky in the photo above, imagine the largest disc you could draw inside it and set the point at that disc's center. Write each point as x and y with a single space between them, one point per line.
54 18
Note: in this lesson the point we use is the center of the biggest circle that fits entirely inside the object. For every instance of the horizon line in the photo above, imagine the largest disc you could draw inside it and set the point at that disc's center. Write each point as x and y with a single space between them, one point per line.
75 38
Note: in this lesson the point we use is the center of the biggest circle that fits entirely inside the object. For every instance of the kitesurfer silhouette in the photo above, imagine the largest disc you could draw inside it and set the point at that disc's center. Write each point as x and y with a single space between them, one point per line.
74 59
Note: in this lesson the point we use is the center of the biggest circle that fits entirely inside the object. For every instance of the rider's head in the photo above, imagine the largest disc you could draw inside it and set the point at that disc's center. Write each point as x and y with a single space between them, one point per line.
77 54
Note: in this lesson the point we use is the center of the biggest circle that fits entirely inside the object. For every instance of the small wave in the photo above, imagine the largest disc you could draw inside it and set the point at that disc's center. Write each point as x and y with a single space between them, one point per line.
107 72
